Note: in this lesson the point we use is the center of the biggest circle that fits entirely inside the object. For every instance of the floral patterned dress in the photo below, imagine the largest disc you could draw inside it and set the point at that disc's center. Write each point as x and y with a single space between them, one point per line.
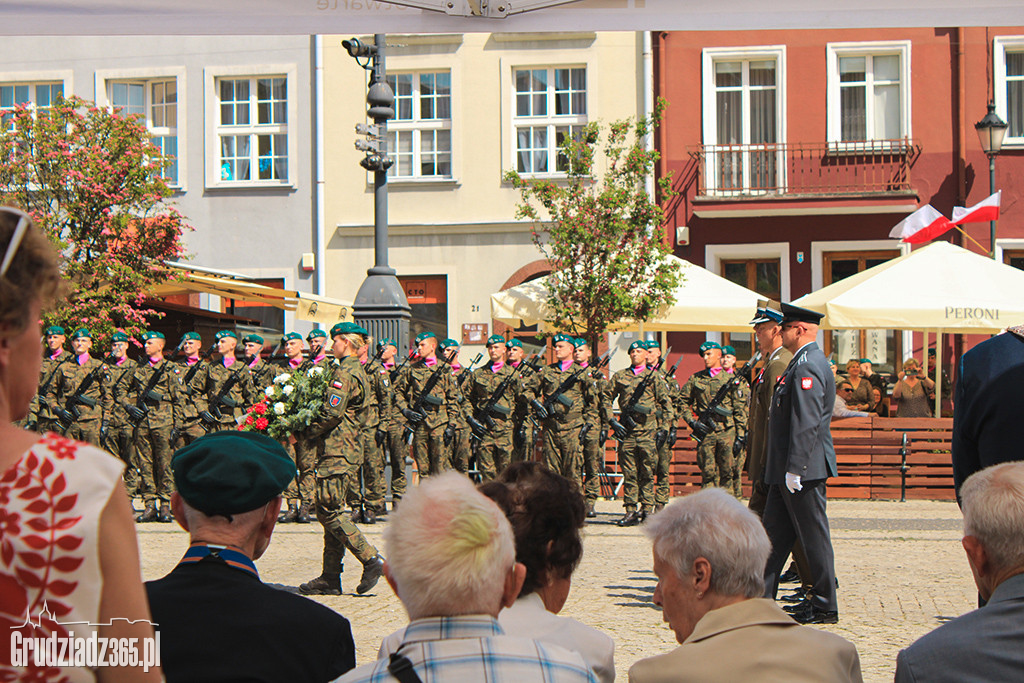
50 581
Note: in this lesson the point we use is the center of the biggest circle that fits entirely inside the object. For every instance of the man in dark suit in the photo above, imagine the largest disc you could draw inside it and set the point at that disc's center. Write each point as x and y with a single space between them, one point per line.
988 643
217 621
800 458
987 424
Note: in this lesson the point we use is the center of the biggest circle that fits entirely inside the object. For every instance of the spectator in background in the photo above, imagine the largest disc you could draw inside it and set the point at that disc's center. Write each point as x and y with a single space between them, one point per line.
841 408
914 394
860 399
729 359
709 557
947 386
988 643
867 372
834 369
96 554
881 408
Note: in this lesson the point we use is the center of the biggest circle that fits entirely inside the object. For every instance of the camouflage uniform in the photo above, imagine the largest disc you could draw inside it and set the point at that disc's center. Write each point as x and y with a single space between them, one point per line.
398 449
593 446
120 439
207 384
263 373
495 447
190 427
340 426
378 416
40 409
441 408
637 451
306 452
461 450
163 407
566 417
67 384
714 453
522 424
662 491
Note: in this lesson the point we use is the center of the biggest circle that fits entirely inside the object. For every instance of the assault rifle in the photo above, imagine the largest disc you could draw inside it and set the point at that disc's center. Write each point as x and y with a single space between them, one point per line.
558 395
415 415
212 413
493 406
187 379
627 424
705 423
45 386
392 374
138 411
67 415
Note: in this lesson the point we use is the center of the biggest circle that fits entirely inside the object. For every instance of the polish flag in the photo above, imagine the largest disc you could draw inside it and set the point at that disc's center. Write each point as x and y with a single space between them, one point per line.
921 226
985 210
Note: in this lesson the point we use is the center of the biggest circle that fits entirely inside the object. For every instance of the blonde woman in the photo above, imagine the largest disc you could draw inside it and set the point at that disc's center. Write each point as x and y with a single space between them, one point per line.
913 392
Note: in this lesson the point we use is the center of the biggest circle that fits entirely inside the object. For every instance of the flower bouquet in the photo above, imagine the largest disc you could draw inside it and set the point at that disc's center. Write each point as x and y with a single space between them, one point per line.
289 404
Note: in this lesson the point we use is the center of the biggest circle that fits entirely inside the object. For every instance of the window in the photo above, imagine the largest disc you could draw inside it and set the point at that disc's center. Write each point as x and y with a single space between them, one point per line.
550 104
252 129
883 347
1009 85
743 120
37 95
266 314
1014 257
868 92
428 299
420 135
156 103
761 275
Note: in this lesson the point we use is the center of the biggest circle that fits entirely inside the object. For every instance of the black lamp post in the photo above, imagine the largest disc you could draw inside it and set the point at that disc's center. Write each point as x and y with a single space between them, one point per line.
991 131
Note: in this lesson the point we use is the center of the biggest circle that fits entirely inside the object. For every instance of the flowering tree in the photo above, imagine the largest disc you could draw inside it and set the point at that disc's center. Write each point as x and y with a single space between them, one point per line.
603 236
90 179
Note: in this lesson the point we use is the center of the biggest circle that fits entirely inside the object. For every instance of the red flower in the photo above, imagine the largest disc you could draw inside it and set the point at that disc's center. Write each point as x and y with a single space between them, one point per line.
261 423
260 408
248 420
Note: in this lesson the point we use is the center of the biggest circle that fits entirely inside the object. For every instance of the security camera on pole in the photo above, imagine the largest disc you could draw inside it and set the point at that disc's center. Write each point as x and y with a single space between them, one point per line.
380 305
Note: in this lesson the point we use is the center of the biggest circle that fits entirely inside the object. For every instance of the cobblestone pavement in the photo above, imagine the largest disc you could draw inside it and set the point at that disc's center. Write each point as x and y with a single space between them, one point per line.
901 570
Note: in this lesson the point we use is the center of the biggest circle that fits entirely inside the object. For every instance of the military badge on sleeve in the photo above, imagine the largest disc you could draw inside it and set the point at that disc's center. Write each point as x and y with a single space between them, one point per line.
806 382
335 400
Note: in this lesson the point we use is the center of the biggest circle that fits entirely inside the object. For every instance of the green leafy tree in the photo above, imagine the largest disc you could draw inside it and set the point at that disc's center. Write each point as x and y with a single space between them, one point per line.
90 178
602 233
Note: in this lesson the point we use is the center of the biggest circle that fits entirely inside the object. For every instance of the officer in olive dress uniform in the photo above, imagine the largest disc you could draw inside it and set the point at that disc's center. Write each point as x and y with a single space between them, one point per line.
714 453
399 452
151 396
41 417
263 373
596 435
223 388
493 423
639 432
460 450
662 465
340 426
81 392
190 365
368 501
434 420
563 415
120 439
523 423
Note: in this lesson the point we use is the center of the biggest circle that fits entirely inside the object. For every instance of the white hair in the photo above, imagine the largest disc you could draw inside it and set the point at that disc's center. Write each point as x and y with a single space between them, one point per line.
449 549
713 525
993 507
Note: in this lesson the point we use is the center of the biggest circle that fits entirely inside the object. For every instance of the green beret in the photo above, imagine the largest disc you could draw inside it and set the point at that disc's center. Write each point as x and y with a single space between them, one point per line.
579 341
346 328
119 337
252 339
320 333
153 334
728 350
709 345
865 360
191 335
514 342
225 333
425 335
229 472
81 333
495 339
561 338
448 344
653 344
639 344
292 335
385 342
54 329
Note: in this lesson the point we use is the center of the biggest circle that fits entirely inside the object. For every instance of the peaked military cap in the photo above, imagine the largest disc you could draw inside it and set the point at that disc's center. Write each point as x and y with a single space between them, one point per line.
425 335
252 339
709 345
728 350
292 336
495 339
81 333
54 329
795 314
768 310
230 472
119 337
153 334
191 335
514 343
225 333
320 333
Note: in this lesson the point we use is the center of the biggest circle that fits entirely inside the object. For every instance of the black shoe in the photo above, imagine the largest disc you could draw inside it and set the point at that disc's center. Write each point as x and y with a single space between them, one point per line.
356 516
322 585
643 514
812 615
165 514
149 514
289 515
658 507
369 516
629 519
795 597
303 517
372 571
791 575
801 606
591 512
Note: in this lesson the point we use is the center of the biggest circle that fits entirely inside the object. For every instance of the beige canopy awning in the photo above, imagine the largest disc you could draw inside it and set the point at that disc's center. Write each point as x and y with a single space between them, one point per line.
306 306
703 302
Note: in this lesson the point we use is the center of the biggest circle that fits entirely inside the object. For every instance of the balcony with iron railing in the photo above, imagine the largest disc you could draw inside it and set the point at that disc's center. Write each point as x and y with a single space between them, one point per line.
795 170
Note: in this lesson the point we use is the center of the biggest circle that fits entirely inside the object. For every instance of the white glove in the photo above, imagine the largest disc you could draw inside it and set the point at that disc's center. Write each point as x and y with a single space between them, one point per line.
793 482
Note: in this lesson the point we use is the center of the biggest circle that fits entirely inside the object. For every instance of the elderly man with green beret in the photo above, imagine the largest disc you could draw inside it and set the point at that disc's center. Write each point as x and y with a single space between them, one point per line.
493 391
151 396
597 433
223 388
191 363
217 619
80 394
432 414
120 433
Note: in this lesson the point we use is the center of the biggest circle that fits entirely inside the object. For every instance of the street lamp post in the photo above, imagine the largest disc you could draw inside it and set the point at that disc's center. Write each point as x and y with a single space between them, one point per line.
991 131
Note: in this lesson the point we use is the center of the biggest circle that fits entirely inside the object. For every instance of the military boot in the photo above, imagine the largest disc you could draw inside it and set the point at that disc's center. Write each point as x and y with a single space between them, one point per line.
372 571
591 512
304 516
290 515
322 585
631 518
165 515
149 514
369 516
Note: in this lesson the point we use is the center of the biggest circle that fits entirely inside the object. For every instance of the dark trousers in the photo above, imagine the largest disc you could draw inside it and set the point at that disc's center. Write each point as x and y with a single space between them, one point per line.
758 499
789 517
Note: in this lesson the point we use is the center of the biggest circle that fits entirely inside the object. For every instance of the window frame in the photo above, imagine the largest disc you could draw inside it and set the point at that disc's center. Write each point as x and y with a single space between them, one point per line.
833 52
35 78
550 121
147 113
1001 45
417 126
213 129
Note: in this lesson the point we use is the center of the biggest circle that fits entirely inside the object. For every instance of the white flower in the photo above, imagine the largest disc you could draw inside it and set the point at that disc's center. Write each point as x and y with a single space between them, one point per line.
282 378
313 372
270 391
287 389
279 408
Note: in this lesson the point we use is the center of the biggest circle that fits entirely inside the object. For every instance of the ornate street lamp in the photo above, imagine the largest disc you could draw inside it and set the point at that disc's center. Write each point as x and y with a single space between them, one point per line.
991 131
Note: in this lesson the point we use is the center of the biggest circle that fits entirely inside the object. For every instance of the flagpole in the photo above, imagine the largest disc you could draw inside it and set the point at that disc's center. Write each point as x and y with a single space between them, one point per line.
964 233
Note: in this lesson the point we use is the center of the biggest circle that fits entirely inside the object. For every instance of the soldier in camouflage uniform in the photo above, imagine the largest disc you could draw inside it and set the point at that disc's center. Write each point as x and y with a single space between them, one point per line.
151 396
460 450
714 453
119 439
597 433
223 388
82 386
340 424
522 429
299 505
41 417
563 416
369 501
399 452
638 444
741 392
495 434
662 489
190 429
263 373
434 427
